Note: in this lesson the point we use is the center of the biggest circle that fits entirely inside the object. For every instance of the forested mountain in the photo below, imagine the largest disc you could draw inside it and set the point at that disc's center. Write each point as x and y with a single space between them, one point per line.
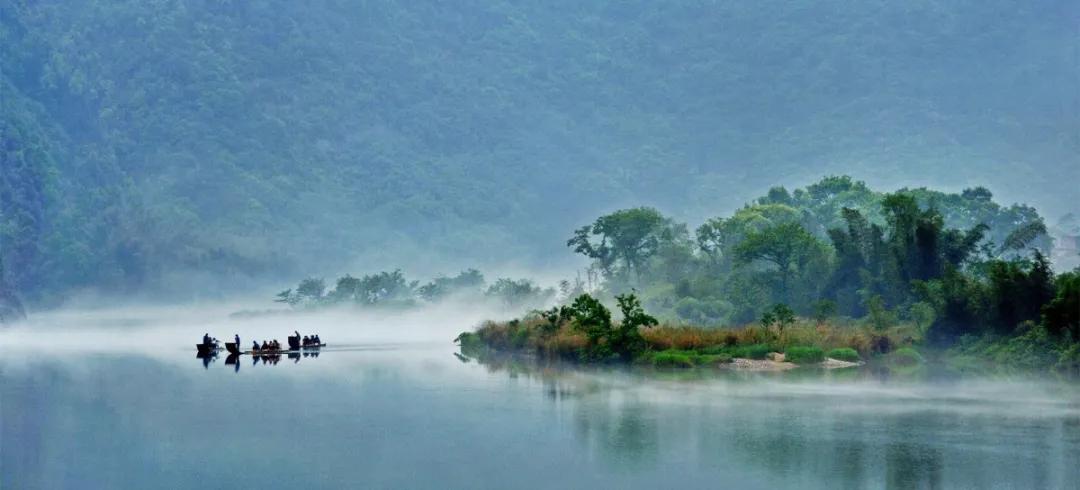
147 145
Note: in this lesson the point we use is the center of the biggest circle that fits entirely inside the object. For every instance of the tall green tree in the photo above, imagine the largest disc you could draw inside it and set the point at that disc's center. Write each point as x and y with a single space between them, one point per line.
787 247
621 242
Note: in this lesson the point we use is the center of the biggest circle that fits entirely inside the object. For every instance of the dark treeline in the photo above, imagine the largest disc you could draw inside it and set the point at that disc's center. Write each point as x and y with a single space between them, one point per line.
394 290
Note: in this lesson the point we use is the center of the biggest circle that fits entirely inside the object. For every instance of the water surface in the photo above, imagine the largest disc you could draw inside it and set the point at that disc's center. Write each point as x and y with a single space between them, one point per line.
412 415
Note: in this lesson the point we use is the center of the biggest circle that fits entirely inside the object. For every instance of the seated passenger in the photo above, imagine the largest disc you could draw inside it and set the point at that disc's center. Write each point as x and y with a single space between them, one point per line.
266 345
254 345
317 340
307 340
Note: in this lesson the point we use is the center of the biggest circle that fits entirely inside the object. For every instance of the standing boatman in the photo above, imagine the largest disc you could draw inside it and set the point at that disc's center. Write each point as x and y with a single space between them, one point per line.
236 336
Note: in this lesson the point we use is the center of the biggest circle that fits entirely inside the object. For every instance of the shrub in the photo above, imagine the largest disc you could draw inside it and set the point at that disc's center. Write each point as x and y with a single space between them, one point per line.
906 356
1069 361
717 349
723 358
471 343
804 355
843 354
756 351
672 358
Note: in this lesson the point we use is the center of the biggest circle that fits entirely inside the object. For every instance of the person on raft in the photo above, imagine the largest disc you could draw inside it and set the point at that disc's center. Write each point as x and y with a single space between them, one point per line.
236 338
206 339
255 345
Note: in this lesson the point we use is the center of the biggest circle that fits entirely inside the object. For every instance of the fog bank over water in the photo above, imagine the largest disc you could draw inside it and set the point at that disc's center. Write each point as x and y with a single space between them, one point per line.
165 330
412 415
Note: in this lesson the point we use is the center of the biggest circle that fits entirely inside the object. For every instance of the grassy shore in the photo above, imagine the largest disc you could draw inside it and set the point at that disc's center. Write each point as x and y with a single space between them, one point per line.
805 342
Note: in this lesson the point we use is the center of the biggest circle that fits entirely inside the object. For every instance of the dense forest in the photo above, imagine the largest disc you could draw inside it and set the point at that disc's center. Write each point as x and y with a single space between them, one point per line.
155 146
863 272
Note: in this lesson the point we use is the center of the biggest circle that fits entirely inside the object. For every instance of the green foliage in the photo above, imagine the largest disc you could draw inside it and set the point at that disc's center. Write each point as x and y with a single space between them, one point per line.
469 281
673 359
879 317
824 310
519 293
1069 360
787 247
605 339
311 290
804 355
471 344
1062 314
755 351
923 314
556 317
392 289
780 315
906 356
626 240
223 138
594 320
768 319
843 354
1017 290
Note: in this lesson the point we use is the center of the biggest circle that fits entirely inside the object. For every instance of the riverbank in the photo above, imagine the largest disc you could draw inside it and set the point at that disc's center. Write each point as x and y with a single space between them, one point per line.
802 344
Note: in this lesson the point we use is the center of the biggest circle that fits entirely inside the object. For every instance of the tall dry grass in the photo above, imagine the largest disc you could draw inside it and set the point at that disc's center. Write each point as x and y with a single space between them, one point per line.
535 335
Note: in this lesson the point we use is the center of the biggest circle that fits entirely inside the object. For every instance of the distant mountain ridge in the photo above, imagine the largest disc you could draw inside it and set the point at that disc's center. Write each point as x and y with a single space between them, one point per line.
157 145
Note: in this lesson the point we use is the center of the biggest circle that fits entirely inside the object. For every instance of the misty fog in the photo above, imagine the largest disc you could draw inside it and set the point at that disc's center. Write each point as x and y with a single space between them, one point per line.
747 244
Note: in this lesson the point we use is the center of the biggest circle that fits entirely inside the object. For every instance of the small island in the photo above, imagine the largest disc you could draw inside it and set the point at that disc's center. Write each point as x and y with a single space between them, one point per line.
832 275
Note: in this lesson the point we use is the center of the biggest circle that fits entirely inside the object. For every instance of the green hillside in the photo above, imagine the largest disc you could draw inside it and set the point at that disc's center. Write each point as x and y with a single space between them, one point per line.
151 146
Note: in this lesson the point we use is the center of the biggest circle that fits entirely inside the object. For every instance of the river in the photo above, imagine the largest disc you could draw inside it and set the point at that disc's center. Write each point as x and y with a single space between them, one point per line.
370 412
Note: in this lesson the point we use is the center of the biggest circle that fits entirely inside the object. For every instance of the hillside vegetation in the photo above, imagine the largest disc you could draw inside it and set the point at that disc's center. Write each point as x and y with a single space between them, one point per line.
153 146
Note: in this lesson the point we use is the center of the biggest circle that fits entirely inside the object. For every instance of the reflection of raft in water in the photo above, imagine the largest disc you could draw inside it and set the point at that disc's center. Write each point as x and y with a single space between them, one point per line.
233 349
205 349
295 344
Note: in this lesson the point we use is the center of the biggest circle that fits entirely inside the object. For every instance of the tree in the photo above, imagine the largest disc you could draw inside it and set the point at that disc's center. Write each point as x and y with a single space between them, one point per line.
923 314
594 320
627 238
346 289
878 315
1062 314
287 297
626 340
824 310
385 287
310 290
786 246
519 293
785 317
1017 290
470 280
605 340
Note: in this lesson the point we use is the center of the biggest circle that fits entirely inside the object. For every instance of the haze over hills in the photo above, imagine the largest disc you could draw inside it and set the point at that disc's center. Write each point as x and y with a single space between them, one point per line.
150 146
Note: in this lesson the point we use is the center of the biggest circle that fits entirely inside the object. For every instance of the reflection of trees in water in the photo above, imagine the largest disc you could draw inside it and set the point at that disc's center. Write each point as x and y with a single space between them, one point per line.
619 429
819 440
624 434
843 451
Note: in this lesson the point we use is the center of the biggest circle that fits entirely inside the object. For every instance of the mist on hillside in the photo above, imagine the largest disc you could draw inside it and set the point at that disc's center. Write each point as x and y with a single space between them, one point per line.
193 150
